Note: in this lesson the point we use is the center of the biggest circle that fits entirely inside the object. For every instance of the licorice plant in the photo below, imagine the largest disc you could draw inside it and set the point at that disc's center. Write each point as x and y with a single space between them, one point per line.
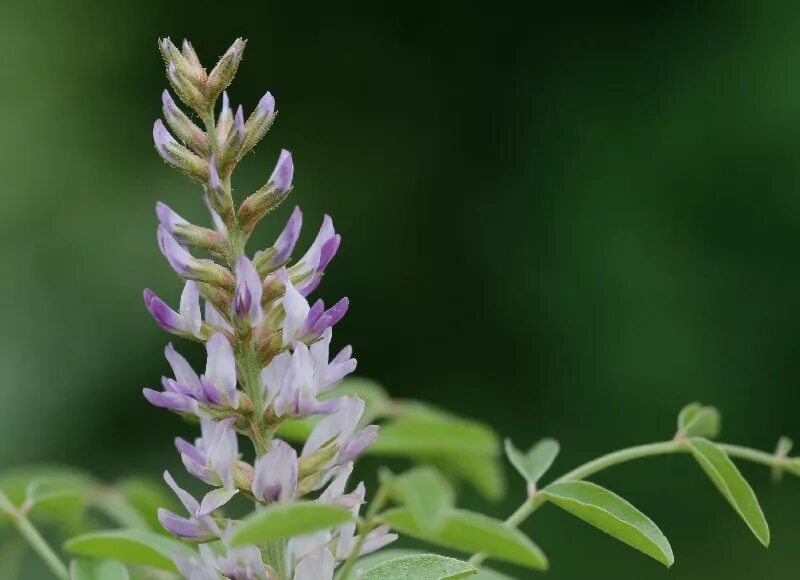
269 379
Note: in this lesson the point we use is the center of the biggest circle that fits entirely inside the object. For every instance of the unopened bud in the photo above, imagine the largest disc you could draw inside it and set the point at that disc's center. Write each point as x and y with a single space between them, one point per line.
187 90
187 50
318 460
189 234
183 126
242 476
222 74
259 122
177 155
270 196
191 268
233 142
225 120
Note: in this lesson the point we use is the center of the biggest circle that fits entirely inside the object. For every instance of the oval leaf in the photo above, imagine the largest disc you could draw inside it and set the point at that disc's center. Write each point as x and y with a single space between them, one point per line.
284 520
611 514
420 567
425 436
471 532
535 463
428 496
129 546
724 474
696 420
97 570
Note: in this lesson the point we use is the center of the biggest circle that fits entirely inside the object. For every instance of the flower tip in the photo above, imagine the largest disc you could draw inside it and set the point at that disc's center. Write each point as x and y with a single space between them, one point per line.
266 106
283 173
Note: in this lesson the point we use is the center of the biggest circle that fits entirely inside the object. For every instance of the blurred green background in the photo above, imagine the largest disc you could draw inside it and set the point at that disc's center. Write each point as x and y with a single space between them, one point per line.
564 220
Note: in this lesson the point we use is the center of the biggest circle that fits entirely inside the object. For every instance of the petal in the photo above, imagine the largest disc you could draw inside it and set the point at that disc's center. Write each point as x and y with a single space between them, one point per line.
248 291
275 477
190 307
172 401
295 306
214 500
185 497
317 566
182 370
286 242
221 366
164 316
283 173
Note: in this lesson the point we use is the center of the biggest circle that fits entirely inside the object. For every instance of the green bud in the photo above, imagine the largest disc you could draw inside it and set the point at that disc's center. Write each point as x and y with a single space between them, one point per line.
222 74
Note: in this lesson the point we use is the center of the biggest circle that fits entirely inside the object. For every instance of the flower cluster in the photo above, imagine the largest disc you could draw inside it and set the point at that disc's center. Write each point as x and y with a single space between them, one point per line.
267 347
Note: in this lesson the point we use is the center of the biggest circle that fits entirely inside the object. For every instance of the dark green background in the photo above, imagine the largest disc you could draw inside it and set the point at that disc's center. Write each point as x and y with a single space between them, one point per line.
563 219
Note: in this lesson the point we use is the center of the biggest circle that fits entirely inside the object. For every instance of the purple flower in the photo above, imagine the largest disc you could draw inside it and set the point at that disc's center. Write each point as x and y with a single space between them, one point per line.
211 457
265 108
164 142
312 265
293 381
243 563
248 292
168 218
214 318
341 427
283 173
238 127
181 393
185 322
199 529
275 477
177 256
302 322
286 242
219 381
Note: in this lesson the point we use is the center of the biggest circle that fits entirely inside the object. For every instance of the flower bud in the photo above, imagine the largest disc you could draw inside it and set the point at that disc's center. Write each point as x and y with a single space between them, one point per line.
233 142
188 92
318 460
270 196
273 258
187 50
225 120
183 127
259 122
222 74
218 196
189 234
177 155
189 267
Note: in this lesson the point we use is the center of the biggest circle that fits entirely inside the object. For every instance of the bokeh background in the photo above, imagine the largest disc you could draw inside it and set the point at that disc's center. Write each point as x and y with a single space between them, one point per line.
563 220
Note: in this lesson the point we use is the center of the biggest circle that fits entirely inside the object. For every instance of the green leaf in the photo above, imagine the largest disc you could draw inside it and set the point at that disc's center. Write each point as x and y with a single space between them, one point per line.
56 494
483 473
535 463
97 570
429 436
284 520
471 532
376 558
724 474
427 495
129 546
378 403
696 420
420 567
611 514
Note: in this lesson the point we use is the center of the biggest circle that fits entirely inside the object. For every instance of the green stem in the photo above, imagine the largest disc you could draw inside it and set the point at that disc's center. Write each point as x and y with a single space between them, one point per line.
370 523
531 504
34 539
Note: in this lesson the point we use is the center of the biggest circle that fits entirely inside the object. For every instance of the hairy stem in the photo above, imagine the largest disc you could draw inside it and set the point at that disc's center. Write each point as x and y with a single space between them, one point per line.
531 504
34 539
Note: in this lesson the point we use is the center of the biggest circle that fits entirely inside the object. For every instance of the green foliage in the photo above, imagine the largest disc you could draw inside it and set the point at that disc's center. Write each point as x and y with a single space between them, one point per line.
464 449
52 494
427 495
284 520
613 515
726 477
535 463
696 420
471 532
97 570
129 546
420 567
